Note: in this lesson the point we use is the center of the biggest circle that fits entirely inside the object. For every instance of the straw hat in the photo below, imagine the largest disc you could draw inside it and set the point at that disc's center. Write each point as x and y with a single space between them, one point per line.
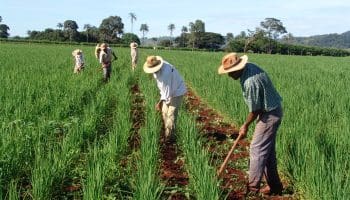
77 51
133 45
104 46
231 62
153 64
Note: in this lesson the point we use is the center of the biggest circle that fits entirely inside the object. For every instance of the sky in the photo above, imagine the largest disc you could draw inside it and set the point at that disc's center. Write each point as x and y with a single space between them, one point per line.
300 17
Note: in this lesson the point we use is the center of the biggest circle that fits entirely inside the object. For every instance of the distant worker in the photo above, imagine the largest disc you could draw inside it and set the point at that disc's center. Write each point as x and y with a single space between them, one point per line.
106 60
97 51
78 60
172 89
134 54
264 104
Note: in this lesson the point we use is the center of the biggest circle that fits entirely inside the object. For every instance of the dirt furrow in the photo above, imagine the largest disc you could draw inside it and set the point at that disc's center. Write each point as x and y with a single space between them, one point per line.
172 169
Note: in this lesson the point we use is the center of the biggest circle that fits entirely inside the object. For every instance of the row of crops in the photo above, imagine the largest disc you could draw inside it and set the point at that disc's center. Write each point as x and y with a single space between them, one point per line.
65 135
313 140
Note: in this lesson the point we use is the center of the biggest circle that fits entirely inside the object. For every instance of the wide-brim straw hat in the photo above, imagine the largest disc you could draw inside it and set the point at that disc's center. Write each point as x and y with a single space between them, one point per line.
231 62
153 64
76 51
133 45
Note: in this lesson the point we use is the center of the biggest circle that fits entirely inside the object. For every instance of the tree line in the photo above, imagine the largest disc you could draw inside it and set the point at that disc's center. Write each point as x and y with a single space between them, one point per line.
270 37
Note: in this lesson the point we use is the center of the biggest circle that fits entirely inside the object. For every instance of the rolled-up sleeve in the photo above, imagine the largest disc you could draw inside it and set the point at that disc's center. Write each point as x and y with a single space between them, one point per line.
251 94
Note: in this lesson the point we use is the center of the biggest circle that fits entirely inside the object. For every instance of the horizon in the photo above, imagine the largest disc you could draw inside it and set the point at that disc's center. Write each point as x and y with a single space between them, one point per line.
310 19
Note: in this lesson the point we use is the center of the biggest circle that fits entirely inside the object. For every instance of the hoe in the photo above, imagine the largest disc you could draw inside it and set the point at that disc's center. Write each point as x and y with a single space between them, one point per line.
223 165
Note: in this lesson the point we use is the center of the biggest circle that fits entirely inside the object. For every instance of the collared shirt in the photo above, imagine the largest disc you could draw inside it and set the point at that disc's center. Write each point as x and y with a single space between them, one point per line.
169 82
258 90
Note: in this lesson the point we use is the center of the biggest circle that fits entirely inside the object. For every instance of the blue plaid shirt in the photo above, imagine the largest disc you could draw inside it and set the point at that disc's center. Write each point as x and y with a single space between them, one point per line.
258 90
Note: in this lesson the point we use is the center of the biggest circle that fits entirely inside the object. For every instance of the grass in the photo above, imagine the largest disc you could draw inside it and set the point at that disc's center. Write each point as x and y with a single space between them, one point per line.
51 120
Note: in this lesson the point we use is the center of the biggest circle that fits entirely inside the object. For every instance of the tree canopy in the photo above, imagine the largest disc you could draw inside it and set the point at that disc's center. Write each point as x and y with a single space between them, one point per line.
4 31
111 27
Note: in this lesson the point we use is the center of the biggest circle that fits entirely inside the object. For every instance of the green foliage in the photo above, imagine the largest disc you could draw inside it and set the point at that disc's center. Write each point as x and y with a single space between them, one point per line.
4 31
110 28
261 45
127 38
165 43
210 40
144 29
328 40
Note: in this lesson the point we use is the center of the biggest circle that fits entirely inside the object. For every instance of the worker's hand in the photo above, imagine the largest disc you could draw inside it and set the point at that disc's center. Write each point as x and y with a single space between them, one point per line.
243 130
159 106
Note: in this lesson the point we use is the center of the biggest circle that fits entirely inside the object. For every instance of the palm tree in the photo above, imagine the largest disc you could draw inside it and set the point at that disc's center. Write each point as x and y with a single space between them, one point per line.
60 25
144 28
183 31
171 28
87 28
132 17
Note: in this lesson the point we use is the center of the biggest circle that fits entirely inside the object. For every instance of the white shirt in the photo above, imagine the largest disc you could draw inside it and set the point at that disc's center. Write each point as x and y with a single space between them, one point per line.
169 82
79 60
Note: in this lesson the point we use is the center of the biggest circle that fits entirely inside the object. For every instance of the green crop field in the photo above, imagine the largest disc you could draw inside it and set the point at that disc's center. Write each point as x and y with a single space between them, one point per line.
65 135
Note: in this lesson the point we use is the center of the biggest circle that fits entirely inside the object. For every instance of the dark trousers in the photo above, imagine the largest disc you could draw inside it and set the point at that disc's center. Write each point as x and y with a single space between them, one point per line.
262 150
107 72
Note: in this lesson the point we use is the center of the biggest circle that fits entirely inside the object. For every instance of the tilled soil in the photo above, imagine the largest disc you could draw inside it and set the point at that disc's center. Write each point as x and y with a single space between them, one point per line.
172 169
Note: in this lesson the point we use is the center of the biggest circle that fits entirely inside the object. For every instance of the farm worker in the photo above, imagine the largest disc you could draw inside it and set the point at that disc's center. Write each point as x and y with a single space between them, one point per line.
134 54
79 60
264 104
172 89
97 51
106 60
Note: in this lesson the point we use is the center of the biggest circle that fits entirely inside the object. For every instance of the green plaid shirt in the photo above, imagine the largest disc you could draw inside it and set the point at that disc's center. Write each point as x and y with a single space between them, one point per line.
258 91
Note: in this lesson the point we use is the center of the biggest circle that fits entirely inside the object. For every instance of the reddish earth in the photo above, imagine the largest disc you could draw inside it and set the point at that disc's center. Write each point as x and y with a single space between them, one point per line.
217 133
137 116
172 170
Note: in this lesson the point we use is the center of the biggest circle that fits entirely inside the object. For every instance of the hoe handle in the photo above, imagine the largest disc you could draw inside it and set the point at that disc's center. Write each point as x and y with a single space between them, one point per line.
223 165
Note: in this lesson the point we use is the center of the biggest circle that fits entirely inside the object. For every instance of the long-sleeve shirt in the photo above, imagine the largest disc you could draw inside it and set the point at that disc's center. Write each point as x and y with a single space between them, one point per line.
258 90
169 82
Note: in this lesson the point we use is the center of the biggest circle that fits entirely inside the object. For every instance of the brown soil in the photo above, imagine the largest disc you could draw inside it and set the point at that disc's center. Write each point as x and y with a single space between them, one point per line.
218 134
137 116
172 170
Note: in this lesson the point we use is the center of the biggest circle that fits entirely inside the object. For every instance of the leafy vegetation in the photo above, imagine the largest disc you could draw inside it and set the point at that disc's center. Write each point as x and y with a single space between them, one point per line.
64 135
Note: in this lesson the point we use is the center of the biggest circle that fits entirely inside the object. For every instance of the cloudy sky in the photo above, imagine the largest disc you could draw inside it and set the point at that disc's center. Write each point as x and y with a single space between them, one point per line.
300 17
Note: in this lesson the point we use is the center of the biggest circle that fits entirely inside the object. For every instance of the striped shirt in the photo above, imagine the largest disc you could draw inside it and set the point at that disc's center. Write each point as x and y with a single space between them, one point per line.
258 90
169 82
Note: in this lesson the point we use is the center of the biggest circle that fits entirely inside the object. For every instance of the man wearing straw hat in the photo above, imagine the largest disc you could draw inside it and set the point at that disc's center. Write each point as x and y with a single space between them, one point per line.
134 54
264 104
171 87
106 60
78 60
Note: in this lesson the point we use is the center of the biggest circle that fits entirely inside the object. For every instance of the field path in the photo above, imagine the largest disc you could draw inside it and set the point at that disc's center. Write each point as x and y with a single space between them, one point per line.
172 169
